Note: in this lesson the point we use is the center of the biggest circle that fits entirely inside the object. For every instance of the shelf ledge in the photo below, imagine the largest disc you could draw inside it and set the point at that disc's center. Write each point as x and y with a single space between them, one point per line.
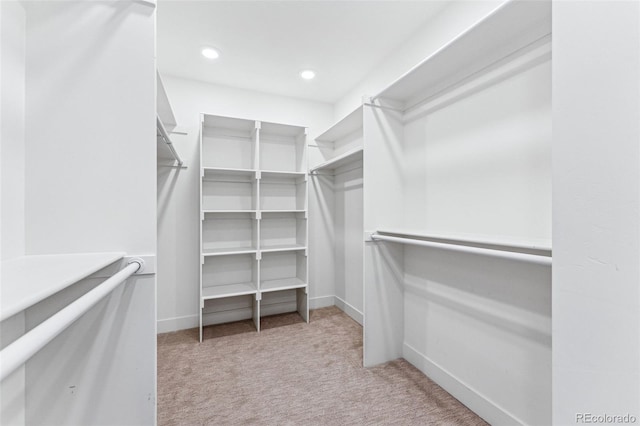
281 284
228 290
229 251
342 160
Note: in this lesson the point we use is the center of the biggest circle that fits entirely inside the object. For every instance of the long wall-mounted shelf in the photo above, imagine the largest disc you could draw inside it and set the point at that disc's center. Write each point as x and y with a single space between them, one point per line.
165 124
348 157
512 27
352 123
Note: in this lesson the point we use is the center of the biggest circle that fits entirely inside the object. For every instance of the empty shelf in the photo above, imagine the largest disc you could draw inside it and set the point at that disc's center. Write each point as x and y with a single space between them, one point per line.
283 211
228 251
216 173
341 160
349 124
227 211
274 173
165 150
282 247
229 290
28 280
228 170
510 27
282 284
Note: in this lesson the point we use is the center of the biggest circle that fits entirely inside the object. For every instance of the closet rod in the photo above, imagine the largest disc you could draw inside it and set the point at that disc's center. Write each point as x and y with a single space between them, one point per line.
511 255
21 350
164 135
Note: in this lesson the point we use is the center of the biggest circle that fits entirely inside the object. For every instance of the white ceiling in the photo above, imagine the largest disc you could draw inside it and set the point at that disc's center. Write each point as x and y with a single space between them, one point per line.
265 44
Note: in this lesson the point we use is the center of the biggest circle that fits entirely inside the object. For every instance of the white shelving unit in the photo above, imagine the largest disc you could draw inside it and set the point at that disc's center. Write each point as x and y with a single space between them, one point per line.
253 211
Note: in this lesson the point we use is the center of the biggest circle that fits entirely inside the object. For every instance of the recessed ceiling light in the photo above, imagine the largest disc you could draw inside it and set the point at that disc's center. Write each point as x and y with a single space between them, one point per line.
308 74
210 53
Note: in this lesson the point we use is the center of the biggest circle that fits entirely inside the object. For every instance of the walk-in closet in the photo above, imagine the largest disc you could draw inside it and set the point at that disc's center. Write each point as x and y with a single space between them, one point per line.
319 213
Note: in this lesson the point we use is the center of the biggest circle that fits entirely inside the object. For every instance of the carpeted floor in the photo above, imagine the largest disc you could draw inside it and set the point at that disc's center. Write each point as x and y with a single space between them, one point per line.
293 373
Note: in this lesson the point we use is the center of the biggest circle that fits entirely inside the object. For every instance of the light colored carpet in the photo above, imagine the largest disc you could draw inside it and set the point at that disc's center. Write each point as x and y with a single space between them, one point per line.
293 373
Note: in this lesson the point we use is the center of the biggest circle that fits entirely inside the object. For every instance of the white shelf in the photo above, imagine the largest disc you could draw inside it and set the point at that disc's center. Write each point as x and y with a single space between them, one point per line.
229 170
28 280
163 105
228 211
283 211
220 173
282 174
240 125
165 119
282 284
509 28
348 125
229 251
229 290
282 247
349 157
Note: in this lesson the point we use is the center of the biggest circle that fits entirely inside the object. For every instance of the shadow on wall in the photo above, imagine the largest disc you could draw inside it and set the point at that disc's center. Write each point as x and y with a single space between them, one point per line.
512 296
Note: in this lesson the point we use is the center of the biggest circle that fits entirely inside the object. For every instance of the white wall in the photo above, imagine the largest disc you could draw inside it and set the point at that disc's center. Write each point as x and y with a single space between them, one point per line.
596 200
348 219
178 252
12 169
482 165
439 30
83 145
12 129
90 187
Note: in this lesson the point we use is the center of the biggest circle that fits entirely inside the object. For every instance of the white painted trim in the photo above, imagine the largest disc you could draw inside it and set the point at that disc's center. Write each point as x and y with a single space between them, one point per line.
469 396
321 302
168 325
177 323
349 310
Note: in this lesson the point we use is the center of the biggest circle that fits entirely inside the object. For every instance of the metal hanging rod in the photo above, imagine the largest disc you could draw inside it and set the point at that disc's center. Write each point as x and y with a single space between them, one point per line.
165 136
511 255
21 350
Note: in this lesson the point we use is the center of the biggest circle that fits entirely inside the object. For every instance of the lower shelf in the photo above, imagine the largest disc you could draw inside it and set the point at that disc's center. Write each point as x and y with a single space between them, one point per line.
282 247
228 251
229 290
281 284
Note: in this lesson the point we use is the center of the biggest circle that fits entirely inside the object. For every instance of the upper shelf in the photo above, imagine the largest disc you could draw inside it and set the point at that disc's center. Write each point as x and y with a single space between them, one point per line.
163 106
339 161
166 150
28 280
510 28
165 119
349 124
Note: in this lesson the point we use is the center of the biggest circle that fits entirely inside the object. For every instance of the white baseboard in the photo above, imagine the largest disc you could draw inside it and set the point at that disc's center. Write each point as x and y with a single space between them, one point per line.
191 321
321 302
178 323
349 310
470 397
